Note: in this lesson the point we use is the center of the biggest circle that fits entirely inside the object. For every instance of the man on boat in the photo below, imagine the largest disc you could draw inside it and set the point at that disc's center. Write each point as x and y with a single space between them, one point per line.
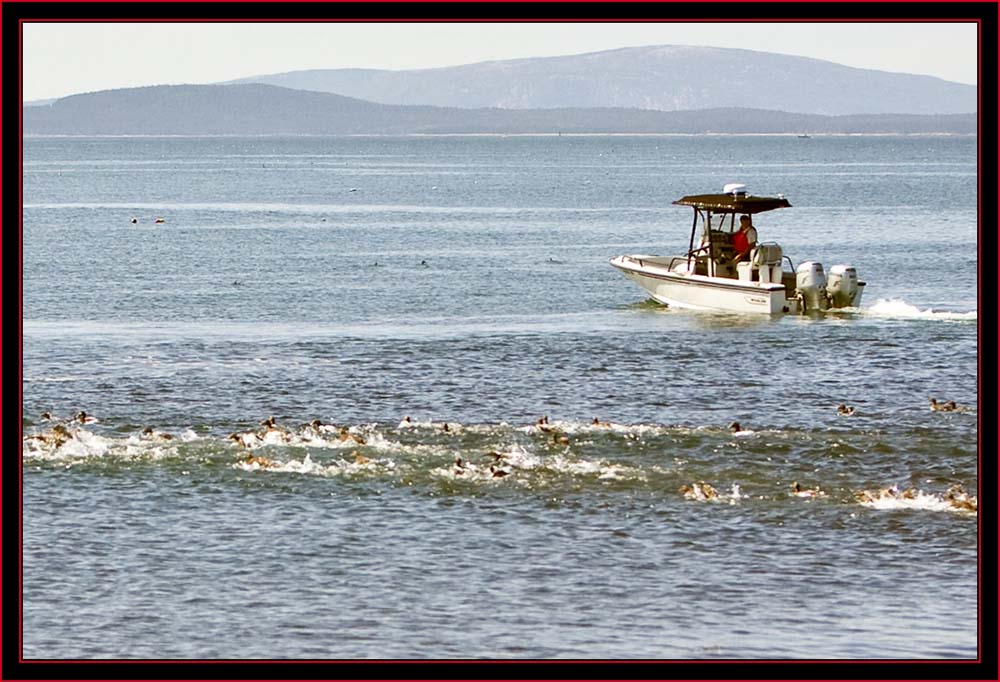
744 240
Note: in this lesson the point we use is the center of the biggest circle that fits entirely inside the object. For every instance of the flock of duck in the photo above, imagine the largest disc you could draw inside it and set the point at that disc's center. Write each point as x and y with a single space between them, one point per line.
956 497
496 465
949 406
60 433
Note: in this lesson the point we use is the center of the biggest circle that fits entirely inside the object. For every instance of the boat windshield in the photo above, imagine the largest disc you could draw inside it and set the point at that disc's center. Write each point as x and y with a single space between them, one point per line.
723 222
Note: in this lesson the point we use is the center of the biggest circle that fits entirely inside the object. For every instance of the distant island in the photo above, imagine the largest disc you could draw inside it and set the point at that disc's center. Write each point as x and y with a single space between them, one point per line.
259 109
665 89
658 77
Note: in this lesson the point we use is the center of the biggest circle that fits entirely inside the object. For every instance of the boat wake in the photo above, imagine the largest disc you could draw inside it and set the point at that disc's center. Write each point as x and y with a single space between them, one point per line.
899 309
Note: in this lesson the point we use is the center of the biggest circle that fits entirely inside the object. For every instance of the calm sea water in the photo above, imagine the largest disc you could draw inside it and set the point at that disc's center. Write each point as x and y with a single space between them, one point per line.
465 281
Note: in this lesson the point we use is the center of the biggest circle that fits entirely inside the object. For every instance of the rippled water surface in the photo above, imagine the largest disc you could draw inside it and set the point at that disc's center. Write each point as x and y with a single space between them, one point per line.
428 300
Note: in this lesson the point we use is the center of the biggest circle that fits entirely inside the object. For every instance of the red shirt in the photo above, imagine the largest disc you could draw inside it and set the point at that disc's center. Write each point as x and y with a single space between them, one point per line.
740 242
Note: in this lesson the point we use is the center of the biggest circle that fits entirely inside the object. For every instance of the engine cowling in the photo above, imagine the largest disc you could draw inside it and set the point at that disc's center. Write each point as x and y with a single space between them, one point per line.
842 287
810 286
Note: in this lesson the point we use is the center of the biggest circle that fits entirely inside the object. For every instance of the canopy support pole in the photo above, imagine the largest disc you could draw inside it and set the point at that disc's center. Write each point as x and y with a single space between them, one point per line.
694 227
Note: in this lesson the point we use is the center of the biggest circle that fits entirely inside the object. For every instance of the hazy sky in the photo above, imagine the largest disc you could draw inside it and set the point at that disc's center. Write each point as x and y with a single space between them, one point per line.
66 58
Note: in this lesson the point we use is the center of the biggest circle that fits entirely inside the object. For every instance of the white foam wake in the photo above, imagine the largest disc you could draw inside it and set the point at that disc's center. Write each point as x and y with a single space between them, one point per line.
898 308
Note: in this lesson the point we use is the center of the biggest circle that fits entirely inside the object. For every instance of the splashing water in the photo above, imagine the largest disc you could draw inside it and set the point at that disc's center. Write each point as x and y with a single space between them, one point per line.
897 308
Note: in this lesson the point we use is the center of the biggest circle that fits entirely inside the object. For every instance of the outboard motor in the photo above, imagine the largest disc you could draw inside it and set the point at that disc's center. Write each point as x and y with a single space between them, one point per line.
842 287
810 286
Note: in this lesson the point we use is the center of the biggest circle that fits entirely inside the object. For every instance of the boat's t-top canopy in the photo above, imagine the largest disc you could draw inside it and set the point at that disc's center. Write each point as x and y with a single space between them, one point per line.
733 203
718 213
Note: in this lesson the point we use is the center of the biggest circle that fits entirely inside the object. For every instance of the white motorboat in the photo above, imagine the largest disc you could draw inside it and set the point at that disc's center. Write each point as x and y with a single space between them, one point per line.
713 275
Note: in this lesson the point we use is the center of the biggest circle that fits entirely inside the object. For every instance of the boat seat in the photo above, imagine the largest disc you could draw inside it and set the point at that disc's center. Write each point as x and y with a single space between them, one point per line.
766 262
767 253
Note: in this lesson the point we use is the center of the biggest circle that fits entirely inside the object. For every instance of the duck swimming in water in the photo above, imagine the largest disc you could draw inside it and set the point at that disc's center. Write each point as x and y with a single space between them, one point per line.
799 491
867 496
55 437
346 435
248 439
497 472
60 434
949 406
961 500
148 432
39 437
84 418
543 424
737 429
699 491
262 462
844 410
891 493
317 427
274 434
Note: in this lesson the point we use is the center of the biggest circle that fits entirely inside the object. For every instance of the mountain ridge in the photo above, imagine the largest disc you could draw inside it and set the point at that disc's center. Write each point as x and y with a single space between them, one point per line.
660 77
256 109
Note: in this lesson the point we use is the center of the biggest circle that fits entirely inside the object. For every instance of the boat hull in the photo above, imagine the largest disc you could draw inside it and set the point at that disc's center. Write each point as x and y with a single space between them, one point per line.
679 288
